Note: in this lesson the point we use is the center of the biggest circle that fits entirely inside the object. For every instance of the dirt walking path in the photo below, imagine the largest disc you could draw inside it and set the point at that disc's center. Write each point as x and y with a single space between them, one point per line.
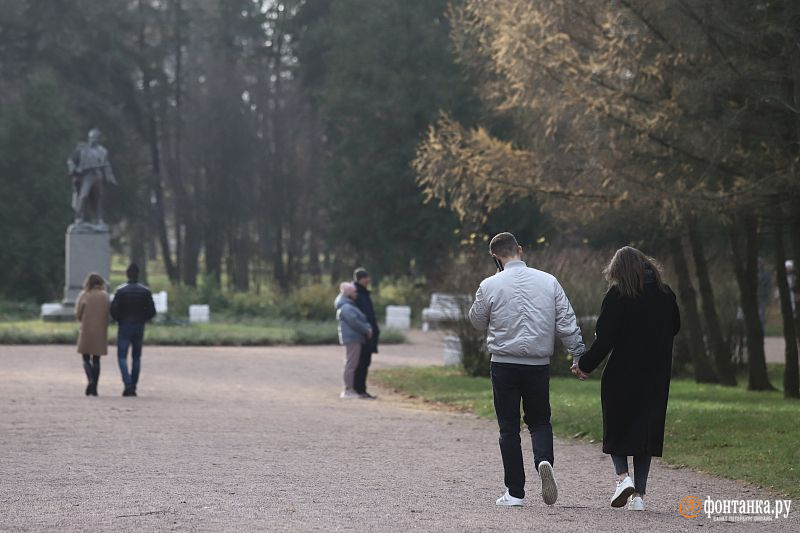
254 439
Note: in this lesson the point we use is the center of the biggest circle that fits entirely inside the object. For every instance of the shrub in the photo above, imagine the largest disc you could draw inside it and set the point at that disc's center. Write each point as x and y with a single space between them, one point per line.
312 302
401 291
18 310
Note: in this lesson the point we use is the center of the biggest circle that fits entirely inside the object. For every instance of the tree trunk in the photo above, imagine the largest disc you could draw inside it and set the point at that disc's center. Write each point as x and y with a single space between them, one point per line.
240 262
213 248
795 235
746 266
314 267
717 345
138 249
278 269
703 372
155 155
191 253
791 374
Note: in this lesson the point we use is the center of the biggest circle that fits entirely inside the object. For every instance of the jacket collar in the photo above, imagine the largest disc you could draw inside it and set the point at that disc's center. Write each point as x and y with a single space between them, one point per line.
361 288
515 264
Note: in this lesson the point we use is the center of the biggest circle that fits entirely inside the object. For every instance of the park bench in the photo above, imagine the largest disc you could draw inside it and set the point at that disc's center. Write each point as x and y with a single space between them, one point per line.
199 314
160 301
445 308
398 317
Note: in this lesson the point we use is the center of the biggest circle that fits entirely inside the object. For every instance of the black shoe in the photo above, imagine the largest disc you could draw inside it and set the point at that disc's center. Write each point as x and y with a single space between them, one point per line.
128 392
94 389
89 389
367 396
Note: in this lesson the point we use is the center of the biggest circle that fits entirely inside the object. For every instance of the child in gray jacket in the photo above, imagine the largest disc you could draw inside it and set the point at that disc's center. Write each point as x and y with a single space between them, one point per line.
354 330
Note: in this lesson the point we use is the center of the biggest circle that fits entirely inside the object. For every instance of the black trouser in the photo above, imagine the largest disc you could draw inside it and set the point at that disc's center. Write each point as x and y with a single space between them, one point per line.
530 384
364 360
91 365
641 468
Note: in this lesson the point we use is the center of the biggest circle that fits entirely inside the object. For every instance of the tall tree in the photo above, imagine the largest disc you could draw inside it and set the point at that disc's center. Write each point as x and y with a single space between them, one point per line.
388 70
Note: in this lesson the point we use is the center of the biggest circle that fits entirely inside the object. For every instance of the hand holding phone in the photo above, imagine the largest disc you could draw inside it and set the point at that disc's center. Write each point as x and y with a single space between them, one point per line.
498 263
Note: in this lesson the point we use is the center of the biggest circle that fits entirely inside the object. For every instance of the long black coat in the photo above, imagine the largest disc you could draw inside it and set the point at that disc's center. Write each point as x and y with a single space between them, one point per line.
635 384
364 303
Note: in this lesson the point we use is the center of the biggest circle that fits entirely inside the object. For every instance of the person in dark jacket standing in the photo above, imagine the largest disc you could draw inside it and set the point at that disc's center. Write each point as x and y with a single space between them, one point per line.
638 320
364 303
132 306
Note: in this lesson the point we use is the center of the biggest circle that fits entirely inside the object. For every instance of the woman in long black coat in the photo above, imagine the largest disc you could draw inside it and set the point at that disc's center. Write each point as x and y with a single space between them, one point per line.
637 323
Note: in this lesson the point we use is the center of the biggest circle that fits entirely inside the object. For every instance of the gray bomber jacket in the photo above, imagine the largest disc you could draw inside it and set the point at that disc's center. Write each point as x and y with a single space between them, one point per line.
524 309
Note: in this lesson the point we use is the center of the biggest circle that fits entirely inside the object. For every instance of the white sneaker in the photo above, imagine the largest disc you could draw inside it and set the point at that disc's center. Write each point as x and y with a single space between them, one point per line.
349 395
549 485
636 504
507 500
624 489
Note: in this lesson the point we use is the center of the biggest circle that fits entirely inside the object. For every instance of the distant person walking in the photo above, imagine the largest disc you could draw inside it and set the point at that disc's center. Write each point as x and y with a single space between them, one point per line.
638 320
794 286
364 303
354 331
524 309
132 307
91 310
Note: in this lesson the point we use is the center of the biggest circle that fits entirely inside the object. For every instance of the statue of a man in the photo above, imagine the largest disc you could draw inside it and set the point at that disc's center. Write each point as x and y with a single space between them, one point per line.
90 170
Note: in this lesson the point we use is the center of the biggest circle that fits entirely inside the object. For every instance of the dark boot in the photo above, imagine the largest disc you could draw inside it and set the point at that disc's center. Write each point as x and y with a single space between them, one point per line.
89 370
95 374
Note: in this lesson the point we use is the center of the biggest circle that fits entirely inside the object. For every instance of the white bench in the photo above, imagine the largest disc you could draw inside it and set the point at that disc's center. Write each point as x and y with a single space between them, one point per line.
160 299
50 309
445 308
199 314
398 316
452 351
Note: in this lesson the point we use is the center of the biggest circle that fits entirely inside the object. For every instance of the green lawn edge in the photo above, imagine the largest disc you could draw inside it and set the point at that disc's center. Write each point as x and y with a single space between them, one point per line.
211 334
724 431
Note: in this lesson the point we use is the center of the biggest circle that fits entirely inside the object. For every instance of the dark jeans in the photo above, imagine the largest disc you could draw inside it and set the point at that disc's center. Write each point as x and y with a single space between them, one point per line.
91 365
130 335
364 360
530 384
641 468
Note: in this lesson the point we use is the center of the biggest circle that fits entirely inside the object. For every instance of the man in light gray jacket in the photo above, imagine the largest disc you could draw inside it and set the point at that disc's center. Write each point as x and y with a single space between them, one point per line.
523 310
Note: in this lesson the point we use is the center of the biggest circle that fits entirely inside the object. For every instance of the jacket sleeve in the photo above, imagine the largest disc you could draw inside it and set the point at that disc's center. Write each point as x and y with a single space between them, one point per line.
80 307
676 315
115 306
355 319
567 325
480 310
608 326
151 306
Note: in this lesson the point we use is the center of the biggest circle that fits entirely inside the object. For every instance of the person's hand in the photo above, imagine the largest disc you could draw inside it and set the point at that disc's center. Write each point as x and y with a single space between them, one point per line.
578 373
369 333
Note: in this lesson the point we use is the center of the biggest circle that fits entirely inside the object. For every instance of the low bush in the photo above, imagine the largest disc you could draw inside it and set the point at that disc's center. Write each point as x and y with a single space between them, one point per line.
245 333
17 310
311 302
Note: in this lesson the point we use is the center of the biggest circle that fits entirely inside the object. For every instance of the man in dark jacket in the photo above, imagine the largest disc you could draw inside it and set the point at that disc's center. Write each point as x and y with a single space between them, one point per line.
364 303
132 306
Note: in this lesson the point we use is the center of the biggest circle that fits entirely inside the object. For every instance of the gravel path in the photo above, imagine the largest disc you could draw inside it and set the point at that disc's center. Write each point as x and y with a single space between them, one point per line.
256 439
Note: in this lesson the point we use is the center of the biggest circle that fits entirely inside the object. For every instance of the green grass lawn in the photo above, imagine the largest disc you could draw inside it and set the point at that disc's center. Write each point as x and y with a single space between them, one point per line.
714 429
243 333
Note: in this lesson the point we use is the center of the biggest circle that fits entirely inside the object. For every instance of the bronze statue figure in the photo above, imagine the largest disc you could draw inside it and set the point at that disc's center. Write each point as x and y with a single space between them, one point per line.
90 171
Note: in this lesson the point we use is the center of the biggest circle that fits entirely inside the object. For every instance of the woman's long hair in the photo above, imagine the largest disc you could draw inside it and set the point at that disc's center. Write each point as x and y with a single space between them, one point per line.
94 281
629 271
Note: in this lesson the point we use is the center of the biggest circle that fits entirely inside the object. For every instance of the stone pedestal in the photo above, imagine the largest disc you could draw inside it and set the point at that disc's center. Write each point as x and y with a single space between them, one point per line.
88 249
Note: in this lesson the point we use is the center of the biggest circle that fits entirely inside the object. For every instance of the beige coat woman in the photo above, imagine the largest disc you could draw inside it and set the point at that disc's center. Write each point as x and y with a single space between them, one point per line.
92 312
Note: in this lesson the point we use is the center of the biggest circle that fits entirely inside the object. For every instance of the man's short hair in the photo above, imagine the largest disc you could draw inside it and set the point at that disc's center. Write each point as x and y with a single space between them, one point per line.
133 272
503 245
360 273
